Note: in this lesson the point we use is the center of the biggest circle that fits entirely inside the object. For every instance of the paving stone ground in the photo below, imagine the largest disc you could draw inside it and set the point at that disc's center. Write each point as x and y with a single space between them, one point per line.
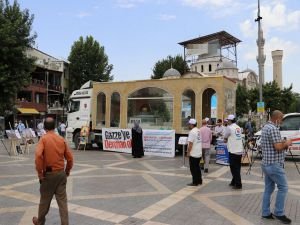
108 188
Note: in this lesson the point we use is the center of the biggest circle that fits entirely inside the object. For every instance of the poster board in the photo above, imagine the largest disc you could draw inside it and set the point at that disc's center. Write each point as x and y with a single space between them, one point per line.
222 155
159 142
13 134
116 140
155 142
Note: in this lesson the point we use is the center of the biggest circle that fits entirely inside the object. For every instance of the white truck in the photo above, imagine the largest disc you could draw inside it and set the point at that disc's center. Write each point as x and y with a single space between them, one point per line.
80 114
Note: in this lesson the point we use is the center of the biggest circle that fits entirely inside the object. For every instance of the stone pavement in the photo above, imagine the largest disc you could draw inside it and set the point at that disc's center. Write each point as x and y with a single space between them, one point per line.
108 188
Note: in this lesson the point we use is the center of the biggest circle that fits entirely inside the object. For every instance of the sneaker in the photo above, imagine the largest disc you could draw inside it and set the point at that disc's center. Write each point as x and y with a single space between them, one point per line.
283 219
269 217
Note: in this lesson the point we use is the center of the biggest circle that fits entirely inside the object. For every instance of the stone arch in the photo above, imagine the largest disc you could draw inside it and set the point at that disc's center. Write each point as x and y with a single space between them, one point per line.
101 109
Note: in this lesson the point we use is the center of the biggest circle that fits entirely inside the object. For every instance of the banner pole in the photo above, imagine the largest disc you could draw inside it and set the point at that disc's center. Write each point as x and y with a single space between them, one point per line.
183 157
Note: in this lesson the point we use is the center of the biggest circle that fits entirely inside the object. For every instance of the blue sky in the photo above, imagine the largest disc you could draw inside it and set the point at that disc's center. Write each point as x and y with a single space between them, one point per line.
137 33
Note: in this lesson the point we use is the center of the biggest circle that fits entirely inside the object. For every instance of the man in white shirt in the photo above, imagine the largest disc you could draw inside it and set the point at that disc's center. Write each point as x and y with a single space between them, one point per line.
62 127
40 129
194 152
233 138
219 129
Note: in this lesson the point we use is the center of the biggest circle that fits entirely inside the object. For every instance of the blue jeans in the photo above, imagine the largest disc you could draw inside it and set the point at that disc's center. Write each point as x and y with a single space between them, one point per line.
274 174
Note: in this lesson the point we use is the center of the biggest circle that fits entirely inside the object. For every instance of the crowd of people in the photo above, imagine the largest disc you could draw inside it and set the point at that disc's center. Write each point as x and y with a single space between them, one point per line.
273 148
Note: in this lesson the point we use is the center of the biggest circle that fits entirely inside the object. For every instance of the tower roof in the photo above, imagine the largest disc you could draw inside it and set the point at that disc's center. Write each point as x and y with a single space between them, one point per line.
223 37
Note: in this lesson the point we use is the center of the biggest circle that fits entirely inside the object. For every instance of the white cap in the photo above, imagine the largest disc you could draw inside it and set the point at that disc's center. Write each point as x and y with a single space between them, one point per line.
231 117
193 121
206 119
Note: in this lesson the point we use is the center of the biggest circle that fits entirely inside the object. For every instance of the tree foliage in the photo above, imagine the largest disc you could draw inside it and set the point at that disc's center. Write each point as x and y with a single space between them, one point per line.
274 98
15 39
161 66
88 61
242 106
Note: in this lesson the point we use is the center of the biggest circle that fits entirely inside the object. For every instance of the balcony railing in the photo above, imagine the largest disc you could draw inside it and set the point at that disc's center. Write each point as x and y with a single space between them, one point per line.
39 83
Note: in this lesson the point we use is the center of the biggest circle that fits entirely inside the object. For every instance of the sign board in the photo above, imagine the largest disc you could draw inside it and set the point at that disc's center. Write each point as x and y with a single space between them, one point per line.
116 140
155 142
260 107
159 142
13 134
222 155
133 120
182 141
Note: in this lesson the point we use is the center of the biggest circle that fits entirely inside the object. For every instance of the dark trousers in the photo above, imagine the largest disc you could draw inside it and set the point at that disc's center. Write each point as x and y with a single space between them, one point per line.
195 170
53 184
235 168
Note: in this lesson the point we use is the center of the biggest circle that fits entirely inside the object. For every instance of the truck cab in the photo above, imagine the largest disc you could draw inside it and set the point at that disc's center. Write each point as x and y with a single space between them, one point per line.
290 127
79 111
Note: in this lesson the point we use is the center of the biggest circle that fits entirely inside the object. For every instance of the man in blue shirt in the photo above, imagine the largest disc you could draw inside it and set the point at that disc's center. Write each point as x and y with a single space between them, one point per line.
273 150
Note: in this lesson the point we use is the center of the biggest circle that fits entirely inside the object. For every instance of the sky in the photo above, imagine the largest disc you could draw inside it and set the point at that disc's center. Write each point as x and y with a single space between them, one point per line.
138 33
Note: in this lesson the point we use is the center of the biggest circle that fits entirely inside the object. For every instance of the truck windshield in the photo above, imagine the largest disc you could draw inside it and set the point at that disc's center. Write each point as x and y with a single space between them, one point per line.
290 123
74 106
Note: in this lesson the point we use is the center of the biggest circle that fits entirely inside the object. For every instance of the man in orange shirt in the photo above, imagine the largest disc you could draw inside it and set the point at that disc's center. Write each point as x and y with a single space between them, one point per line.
50 155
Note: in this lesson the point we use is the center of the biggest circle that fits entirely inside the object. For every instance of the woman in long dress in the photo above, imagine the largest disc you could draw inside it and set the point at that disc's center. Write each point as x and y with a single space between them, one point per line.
137 141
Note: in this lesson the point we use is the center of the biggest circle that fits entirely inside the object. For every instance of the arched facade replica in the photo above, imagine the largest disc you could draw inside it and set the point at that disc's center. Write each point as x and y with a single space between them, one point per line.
162 103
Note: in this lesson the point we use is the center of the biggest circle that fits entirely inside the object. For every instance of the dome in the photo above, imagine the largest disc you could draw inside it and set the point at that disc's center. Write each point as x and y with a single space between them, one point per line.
172 73
228 64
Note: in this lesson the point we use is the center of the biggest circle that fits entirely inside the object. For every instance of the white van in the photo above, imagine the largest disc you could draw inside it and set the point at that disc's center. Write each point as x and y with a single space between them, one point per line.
290 127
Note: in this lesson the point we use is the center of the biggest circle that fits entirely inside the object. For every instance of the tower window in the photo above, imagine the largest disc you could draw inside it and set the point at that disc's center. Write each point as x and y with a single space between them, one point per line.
202 68
209 67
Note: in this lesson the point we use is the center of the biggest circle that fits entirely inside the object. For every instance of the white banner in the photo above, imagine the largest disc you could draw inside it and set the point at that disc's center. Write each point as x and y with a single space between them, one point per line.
116 140
159 142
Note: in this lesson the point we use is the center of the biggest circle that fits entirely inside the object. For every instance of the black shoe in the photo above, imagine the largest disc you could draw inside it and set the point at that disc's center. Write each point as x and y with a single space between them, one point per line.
192 184
283 219
237 187
205 170
269 217
231 185
200 183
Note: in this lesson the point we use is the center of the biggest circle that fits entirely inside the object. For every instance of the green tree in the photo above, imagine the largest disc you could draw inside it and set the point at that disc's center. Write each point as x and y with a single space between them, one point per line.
242 106
15 39
161 66
88 61
274 98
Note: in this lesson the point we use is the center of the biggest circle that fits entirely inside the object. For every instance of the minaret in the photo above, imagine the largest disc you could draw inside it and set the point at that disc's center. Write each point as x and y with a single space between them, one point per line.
277 67
261 58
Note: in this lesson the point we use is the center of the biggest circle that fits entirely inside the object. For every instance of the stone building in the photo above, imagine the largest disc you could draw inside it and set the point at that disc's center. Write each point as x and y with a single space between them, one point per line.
165 103
47 91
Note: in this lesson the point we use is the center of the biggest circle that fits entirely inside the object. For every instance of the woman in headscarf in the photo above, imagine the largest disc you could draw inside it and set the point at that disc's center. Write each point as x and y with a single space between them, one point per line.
137 141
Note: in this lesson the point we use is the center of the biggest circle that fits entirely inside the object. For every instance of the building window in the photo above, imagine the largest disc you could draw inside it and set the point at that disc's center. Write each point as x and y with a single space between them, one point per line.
40 98
187 107
101 110
74 106
209 68
202 68
24 96
196 68
153 107
115 110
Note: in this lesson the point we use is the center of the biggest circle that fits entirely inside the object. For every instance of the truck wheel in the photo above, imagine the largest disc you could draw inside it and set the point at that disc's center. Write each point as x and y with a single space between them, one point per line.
76 140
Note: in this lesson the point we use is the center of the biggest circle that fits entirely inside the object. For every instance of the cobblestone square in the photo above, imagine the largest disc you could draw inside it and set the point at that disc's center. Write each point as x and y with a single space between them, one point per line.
108 188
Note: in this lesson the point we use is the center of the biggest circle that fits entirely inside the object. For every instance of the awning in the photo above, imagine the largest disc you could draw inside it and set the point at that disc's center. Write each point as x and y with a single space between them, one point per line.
28 111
